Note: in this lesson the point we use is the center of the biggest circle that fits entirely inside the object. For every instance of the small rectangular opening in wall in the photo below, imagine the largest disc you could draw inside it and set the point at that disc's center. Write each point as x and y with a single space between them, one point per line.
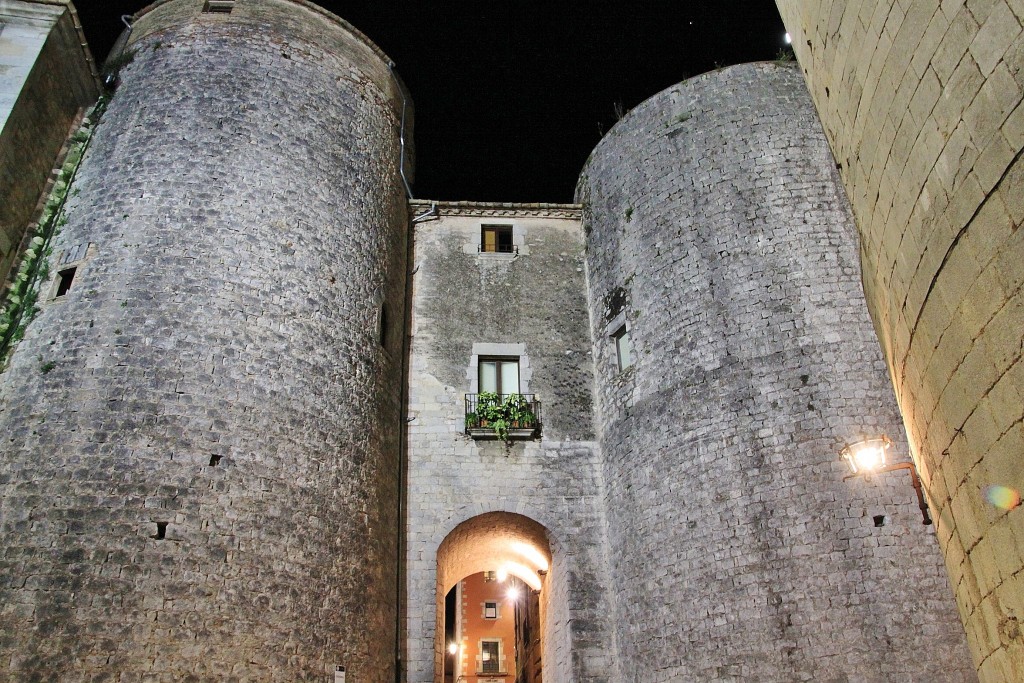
64 279
161 531
496 239
623 351
215 460
879 520
219 6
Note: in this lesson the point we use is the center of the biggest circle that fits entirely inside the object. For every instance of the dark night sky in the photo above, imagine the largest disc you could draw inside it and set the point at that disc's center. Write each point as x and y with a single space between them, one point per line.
512 96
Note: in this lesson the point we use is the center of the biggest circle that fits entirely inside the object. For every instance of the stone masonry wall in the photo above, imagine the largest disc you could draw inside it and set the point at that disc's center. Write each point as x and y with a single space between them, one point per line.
921 102
45 82
201 438
536 299
718 233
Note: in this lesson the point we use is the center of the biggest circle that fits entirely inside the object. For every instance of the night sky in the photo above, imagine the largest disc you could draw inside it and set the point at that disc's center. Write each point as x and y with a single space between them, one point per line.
511 97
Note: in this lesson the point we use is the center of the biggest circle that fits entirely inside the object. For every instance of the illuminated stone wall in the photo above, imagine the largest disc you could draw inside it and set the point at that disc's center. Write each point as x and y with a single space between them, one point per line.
921 102
718 234
200 473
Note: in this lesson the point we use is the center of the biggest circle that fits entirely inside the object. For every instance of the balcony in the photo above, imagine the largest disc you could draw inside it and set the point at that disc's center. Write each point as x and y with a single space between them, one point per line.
502 416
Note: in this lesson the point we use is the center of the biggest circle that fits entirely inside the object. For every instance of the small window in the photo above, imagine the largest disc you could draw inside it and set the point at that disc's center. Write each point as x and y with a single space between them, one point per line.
623 351
382 331
219 6
496 239
490 577
490 610
490 653
64 280
499 375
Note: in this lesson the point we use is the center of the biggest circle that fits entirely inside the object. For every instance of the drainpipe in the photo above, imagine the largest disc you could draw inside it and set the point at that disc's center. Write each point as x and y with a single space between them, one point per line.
401 134
119 47
432 211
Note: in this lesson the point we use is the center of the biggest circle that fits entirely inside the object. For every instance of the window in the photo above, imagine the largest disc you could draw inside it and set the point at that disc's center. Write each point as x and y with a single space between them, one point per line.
496 239
489 656
623 352
64 280
382 326
490 610
490 576
219 6
499 375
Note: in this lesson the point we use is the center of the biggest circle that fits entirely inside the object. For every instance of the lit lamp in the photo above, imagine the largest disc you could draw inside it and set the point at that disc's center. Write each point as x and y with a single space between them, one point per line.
867 457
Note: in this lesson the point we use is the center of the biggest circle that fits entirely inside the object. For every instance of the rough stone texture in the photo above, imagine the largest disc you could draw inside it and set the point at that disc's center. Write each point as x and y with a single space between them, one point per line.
921 102
216 375
45 81
718 230
536 299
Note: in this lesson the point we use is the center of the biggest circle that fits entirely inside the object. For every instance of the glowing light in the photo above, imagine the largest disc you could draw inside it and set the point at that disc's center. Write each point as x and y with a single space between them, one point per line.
513 593
1003 497
453 648
789 39
502 575
521 571
530 553
867 455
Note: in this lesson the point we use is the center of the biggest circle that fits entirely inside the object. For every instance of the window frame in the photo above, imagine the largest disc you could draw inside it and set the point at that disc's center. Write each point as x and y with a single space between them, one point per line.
498 361
502 233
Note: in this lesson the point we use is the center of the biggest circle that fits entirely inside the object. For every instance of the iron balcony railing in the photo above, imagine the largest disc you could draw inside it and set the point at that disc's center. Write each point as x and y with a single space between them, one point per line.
519 413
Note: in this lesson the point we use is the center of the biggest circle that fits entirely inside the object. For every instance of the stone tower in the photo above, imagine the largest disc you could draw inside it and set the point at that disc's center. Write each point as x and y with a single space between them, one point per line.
922 104
201 434
720 244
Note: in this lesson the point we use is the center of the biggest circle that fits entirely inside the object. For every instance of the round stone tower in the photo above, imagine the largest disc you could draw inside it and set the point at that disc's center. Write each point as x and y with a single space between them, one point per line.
200 473
722 251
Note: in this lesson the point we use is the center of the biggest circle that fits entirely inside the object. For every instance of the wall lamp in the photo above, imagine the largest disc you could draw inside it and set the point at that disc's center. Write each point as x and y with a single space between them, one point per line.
867 457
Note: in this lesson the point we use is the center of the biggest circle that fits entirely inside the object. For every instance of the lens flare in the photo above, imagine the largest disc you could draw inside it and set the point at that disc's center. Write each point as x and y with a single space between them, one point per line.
1003 497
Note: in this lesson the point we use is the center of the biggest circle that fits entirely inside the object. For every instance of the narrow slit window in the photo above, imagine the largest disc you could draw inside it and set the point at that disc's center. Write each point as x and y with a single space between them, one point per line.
64 280
382 327
218 6
623 350
496 239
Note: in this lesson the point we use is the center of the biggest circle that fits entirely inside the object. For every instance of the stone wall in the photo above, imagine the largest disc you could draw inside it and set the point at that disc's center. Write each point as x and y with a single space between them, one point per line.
201 438
46 79
533 302
921 102
719 236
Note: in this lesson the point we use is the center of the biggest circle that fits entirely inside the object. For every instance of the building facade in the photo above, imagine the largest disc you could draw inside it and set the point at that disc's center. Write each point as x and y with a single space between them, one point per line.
270 412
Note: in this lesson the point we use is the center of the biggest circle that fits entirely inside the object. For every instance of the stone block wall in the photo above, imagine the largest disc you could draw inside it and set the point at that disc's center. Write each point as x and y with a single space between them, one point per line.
200 477
921 102
534 303
718 234
46 79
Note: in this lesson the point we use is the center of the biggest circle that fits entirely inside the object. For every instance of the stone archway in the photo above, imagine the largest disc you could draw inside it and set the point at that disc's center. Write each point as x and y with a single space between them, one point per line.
511 543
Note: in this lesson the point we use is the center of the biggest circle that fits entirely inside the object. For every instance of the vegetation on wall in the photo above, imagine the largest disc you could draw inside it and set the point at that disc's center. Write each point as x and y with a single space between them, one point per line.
501 415
20 303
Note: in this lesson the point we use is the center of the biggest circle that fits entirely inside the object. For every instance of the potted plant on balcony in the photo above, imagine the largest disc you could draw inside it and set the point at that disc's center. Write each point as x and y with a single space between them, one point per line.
503 417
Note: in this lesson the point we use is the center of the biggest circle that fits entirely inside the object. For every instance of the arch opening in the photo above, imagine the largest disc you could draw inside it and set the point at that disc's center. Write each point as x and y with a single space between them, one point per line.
495 582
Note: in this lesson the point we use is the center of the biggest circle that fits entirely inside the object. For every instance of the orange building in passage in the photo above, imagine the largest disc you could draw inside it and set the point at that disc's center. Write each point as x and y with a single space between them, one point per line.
485 629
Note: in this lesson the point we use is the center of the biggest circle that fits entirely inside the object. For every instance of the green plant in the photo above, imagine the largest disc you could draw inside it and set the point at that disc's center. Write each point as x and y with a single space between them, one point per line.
47 366
629 213
502 415
784 56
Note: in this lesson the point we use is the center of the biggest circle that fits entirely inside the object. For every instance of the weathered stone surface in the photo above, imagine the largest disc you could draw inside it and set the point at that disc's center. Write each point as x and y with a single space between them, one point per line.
936 188
204 484
46 79
533 302
718 232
